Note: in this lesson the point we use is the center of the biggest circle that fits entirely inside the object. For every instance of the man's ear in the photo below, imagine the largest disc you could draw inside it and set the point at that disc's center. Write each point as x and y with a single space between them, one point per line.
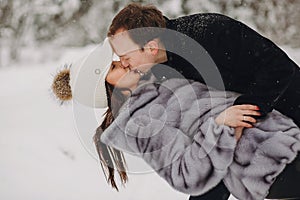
152 45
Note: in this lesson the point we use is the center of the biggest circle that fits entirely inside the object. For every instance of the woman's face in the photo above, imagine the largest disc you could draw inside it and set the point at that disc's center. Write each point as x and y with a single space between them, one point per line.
121 77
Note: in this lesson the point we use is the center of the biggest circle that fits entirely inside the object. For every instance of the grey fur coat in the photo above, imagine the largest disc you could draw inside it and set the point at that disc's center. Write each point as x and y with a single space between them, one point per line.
171 126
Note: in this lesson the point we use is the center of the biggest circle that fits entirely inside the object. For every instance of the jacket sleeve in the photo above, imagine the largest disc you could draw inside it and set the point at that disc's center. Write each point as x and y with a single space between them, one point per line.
273 69
250 63
192 166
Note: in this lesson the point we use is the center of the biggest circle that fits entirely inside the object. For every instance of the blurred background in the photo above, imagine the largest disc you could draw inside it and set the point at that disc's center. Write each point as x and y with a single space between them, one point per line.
42 155
76 23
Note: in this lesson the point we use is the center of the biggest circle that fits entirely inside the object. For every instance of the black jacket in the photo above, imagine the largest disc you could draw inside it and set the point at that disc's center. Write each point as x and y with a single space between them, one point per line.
248 62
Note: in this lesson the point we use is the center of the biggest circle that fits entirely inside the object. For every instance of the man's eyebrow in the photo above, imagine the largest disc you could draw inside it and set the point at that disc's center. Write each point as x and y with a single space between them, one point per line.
122 55
119 55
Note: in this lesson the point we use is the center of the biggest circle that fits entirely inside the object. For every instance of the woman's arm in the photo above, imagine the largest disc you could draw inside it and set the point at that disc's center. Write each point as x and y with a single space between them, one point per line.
192 166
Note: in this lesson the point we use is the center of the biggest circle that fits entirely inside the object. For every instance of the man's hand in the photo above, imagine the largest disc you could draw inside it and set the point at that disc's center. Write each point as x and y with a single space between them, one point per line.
238 116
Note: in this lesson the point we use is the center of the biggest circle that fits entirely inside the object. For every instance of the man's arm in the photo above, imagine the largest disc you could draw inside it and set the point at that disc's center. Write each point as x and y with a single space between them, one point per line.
248 62
274 70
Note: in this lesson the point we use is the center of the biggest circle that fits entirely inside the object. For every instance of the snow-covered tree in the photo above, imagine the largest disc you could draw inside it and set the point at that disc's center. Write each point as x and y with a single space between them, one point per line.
83 22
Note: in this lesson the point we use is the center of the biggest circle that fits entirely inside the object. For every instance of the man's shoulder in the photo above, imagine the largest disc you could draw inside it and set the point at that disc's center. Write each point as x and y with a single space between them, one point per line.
205 18
200 26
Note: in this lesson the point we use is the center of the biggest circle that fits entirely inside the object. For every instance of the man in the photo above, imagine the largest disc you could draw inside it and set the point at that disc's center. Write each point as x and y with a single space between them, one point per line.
247 62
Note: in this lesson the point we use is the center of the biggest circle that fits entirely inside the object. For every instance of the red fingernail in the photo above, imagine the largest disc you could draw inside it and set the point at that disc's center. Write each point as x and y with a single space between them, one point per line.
257 108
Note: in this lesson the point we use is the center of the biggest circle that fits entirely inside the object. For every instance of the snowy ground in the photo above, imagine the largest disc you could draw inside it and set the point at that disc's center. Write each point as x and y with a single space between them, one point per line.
42 154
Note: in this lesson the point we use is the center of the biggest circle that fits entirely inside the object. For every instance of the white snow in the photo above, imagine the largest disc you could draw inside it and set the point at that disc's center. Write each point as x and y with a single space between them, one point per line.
42 154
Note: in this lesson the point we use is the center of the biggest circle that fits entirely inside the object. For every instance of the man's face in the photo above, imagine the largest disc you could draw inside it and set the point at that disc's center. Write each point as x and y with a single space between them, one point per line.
131 55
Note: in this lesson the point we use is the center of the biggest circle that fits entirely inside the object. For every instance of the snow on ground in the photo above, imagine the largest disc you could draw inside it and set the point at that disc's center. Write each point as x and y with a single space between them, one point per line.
43 155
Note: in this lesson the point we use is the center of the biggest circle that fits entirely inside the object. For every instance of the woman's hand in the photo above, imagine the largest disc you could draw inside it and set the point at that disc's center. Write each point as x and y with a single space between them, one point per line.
238 116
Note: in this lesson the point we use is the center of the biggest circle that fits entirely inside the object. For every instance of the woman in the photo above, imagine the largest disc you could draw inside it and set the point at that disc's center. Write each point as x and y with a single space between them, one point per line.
183 130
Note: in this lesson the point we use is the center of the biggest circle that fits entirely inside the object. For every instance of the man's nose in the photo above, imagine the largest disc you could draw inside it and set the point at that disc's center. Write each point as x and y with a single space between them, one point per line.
124 62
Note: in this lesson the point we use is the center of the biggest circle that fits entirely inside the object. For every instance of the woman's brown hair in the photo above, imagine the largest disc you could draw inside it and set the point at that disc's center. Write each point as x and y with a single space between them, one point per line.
110 158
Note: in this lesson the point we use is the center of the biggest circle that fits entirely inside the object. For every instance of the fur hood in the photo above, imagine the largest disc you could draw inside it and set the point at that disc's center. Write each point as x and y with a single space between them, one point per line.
171 126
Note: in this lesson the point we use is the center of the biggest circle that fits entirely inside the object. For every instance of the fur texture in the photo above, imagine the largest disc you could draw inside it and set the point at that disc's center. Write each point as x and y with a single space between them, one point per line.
172 127
61 85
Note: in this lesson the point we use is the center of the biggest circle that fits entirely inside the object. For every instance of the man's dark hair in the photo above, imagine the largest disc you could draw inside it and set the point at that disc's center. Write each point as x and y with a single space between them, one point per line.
136 16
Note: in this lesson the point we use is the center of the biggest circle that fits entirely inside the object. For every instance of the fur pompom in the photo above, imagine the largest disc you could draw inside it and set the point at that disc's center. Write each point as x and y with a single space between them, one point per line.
61 84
